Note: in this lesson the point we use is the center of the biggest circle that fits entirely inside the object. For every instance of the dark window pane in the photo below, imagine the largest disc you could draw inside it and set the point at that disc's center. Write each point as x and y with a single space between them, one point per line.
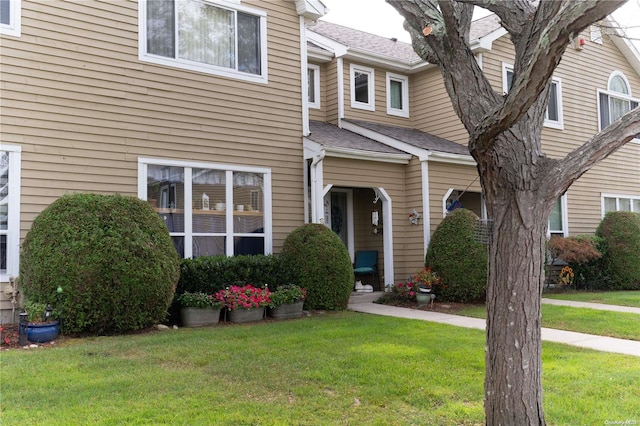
161 28
362 87
604 111
248 43
552 106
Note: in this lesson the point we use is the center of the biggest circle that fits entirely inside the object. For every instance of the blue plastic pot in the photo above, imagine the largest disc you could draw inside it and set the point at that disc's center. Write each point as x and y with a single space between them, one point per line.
41 333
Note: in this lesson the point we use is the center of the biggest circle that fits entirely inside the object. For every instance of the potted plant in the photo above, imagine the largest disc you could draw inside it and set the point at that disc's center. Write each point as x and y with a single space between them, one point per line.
245 303
287 302
41 326
198 309
424 281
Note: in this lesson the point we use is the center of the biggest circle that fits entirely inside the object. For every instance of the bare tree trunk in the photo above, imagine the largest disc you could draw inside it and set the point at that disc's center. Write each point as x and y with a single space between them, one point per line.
513 388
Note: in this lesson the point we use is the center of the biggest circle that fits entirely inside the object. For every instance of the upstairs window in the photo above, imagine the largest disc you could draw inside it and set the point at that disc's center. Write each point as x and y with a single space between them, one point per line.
553 114
10 15
362 88
313 81
616 101
397 95
205 36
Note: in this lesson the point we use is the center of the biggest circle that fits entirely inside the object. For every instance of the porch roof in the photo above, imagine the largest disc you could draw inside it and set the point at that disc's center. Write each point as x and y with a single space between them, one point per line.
414 137
331 136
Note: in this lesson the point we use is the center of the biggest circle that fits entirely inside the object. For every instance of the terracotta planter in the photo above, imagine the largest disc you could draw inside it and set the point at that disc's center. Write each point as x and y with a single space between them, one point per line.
240 316
199 317
287 311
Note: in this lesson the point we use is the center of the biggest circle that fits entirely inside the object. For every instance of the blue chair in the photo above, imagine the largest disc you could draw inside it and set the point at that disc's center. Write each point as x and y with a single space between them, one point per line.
367 265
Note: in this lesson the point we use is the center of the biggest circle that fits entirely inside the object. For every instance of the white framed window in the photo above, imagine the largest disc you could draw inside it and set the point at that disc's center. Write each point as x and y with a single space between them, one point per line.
210 209
553 114
558 219
397 95
616 101
10 158
362 87
10 17
620 203
313 81
211 36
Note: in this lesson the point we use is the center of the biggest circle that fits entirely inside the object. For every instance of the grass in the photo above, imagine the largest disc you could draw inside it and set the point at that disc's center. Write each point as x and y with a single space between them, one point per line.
622 325
335 369
622 298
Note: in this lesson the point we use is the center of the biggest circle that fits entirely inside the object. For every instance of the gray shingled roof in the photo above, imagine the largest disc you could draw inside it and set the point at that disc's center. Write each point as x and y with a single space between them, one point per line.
367 42
334 137
382 46
414 137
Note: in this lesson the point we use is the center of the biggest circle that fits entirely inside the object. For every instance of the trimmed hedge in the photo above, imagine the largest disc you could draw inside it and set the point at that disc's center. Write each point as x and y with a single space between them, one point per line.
620 248
322 265
111 255
458 259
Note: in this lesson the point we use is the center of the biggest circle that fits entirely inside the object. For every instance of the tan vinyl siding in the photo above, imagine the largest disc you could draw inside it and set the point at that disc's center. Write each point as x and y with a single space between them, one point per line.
431 107
84 108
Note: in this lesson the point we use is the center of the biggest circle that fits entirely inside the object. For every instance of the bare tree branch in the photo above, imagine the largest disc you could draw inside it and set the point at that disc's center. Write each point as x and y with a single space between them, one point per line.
545 49
513 14
609 140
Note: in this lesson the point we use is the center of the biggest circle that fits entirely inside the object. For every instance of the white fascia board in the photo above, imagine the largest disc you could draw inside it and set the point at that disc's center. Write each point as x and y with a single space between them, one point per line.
318 55
628 49
311 148
367 58
311 9
326 43
358 154
484 44
444 157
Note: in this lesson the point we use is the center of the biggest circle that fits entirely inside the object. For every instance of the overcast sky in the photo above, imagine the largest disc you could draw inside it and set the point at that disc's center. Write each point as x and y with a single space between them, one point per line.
378 17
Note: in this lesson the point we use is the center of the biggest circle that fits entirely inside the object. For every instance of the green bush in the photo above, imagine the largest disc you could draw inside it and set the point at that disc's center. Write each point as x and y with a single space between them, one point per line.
111 255
322 266
620 248
458 259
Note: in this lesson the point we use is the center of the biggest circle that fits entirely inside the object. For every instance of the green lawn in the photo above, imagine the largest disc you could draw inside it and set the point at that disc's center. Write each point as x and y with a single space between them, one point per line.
583 320
333 369
622 298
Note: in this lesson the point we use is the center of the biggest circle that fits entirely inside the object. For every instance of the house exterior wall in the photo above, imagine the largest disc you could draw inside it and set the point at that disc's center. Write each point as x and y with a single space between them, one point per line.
83 107
618 174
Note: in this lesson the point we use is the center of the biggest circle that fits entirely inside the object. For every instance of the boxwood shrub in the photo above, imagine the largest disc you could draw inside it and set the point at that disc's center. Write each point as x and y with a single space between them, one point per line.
620 248
111 255
458 258
321 264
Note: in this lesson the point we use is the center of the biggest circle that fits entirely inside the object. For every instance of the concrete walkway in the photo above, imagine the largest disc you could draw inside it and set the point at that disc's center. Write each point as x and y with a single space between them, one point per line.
363 302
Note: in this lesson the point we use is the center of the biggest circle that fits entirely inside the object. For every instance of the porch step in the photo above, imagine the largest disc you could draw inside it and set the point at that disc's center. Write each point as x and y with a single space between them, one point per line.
364 297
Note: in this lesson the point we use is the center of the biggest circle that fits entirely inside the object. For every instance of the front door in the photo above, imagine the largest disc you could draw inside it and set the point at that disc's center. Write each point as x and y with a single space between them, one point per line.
338 215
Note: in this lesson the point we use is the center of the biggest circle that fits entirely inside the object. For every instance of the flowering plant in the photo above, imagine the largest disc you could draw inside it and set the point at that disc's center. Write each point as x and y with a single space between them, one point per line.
244 297
404 291
199 300
425 278
288 293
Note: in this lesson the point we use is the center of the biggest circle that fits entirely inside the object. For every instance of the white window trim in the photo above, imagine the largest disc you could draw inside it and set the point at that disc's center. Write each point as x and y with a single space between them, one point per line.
13 225
617 95
556 124
620 74
565 219
559 124
371 105
13 28
617 197
188 236
316 86
206 68
404 111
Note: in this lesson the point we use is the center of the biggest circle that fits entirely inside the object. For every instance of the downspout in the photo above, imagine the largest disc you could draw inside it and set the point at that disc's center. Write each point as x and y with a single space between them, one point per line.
305 76
340 70
317 216
426 214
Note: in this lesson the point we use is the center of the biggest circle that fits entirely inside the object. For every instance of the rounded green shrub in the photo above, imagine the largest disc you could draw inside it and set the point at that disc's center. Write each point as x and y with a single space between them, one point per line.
321 264
458 258
620 248
111 256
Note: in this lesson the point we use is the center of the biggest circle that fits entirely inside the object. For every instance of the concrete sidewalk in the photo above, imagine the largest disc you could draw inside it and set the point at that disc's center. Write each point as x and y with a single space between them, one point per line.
363 302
